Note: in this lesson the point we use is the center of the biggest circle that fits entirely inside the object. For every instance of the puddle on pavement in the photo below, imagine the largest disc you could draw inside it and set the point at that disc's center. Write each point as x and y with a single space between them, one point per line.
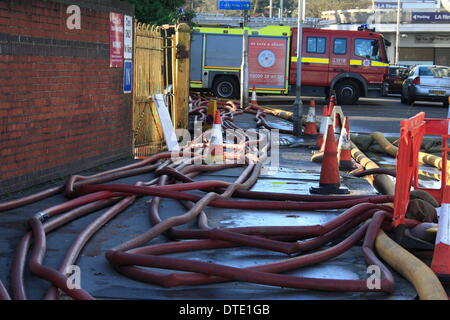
279 218
279 123
292 186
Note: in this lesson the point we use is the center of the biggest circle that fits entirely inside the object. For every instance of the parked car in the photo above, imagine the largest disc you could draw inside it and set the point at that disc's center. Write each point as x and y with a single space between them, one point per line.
395 77
427 83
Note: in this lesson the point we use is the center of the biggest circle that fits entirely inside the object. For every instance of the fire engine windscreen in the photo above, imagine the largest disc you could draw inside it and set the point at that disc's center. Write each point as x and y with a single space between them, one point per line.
368 48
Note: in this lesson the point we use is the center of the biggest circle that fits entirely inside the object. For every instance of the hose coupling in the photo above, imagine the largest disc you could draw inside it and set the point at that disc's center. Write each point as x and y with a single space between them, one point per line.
41 216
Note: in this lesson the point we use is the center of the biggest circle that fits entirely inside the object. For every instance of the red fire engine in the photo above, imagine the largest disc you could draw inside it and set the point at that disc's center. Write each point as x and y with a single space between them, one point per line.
352 63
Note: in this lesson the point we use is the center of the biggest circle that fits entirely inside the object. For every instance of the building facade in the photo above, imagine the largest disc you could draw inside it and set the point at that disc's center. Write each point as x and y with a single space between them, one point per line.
424 29
62 106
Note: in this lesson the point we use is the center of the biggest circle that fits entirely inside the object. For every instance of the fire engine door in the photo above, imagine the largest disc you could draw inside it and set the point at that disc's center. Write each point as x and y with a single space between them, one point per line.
339 56
366 60
315 59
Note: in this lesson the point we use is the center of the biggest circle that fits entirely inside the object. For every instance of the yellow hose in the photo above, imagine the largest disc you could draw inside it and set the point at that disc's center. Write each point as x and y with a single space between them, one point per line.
424 158
423 279
381 181
287 115
388 147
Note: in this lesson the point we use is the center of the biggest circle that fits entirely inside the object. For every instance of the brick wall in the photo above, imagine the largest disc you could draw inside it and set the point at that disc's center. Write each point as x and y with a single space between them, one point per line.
62 109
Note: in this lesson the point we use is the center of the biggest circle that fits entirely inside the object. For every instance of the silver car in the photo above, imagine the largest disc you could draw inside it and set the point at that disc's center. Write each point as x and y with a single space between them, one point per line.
427 83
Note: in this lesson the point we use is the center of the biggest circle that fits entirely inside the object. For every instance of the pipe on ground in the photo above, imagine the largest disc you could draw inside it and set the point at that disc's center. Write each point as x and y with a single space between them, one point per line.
381 181
418 273
424 158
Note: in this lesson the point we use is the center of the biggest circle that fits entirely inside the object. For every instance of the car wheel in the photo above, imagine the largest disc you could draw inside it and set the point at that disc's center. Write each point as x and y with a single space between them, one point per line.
347 92
403 99
409 99
226 87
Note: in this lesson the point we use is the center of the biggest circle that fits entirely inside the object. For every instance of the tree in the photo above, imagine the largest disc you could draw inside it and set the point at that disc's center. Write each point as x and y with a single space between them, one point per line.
314 8
259 7
157 11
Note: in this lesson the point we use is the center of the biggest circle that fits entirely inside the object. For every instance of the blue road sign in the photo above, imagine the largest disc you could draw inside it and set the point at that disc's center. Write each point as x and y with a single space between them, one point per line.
233 5
387 5
430 17
127 76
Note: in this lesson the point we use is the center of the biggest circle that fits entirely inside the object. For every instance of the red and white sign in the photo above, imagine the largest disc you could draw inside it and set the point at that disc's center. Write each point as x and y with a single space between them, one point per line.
116 40
267 62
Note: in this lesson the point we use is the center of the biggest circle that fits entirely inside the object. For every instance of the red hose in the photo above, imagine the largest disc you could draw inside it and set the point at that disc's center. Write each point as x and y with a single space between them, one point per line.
129 257
234 204
47 273
18 265
120 259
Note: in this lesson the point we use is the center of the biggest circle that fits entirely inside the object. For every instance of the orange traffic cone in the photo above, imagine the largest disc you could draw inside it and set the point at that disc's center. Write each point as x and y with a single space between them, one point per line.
345 147
216 140
441 256
310 124
337 125
320 142
331 105
330 180
324 122
253 100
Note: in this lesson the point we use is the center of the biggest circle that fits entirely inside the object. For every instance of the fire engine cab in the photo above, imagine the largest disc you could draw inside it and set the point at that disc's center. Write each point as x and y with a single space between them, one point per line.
352 63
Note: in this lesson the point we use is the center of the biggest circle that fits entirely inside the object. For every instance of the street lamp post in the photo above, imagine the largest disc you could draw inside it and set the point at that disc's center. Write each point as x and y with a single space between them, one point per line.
298 104
244 66
397 34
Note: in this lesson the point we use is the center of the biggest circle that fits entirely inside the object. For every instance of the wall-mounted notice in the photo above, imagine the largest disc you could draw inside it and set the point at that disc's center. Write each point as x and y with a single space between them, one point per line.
127 76
128 37
115 40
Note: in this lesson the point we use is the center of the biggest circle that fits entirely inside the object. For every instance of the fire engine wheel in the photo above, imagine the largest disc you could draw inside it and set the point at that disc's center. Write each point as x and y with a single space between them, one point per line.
347 92
226 87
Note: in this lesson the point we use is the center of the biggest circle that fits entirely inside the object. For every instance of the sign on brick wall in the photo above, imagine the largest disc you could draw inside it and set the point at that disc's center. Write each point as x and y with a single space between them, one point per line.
116 40
127 76
128 37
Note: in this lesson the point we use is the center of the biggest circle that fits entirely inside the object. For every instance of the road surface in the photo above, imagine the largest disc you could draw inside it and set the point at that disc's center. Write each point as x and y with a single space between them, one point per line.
370 114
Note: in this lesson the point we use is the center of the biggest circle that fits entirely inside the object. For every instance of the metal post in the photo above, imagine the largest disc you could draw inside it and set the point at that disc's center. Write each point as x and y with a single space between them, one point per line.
281 9
303 10
270 8
397 34
298 104
244 71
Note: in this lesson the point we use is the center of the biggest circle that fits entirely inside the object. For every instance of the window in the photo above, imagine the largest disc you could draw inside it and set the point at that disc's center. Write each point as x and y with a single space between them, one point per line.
434 71
367 48
340 46
394 72
315 45
403 72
